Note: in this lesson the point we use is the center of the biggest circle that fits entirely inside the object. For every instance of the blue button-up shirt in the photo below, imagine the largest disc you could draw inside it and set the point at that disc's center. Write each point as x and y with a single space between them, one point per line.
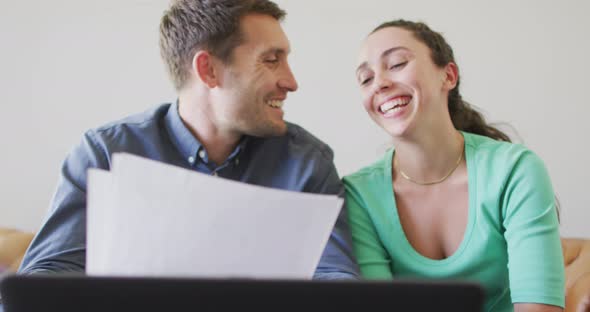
296 161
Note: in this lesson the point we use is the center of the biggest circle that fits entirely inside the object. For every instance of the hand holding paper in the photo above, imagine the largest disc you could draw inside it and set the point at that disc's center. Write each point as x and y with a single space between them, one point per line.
147 218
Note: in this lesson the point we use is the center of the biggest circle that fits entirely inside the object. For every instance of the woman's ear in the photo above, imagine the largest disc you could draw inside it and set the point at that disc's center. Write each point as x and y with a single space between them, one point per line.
203 68
451 76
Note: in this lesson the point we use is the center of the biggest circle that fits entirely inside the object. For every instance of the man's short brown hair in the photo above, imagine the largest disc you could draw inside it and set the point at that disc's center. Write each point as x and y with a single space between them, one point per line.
213 25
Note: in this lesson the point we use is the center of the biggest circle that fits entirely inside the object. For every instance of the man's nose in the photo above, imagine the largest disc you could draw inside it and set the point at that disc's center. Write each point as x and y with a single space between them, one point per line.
287 80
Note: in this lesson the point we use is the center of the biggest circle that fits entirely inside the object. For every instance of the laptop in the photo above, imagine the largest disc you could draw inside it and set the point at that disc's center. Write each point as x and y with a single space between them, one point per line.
84 293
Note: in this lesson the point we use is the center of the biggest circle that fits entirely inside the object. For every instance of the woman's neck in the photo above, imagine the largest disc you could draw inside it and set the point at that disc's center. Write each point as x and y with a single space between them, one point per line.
429 155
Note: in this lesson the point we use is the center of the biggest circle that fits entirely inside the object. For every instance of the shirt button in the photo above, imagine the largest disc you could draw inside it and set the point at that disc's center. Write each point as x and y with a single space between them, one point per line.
191 160
202 154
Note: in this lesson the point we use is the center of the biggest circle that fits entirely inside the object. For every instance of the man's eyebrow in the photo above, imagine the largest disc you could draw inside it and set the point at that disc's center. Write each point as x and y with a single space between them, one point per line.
383 55
276 51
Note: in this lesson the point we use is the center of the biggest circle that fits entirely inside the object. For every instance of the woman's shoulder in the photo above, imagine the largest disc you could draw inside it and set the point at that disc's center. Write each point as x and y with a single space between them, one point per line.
483 146
369 173
495 154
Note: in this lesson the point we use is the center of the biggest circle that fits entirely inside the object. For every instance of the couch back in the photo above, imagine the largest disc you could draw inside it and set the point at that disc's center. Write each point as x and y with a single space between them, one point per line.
13 244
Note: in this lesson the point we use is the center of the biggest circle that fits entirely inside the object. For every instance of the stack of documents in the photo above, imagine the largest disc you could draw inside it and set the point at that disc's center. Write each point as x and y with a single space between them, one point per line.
147 218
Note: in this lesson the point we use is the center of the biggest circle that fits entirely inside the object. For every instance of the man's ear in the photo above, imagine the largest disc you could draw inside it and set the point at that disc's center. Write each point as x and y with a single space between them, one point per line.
204 69
451 76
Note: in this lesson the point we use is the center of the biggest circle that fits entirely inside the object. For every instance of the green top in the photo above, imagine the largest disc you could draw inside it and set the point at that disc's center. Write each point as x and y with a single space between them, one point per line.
511 245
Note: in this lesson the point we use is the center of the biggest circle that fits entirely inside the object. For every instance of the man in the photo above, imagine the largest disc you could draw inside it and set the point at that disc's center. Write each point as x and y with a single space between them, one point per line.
228 62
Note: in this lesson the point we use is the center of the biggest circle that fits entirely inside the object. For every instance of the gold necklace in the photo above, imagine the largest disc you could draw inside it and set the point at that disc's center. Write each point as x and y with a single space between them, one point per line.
405 176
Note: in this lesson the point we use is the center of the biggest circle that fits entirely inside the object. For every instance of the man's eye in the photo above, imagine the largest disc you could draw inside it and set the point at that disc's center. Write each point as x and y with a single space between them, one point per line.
272 61
398 65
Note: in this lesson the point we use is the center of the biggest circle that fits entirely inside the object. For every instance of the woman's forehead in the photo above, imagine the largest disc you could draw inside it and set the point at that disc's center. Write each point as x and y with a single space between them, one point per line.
387 41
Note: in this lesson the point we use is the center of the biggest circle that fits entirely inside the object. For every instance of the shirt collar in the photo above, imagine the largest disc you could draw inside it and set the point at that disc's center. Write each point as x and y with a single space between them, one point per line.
240 147
185 141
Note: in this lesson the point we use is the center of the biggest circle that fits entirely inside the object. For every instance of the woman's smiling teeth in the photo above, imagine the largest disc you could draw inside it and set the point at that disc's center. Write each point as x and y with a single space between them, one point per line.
394 104
275 103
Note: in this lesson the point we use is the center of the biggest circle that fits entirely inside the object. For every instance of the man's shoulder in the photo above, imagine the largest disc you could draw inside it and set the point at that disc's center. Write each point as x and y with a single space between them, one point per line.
132 134
150 117
302 139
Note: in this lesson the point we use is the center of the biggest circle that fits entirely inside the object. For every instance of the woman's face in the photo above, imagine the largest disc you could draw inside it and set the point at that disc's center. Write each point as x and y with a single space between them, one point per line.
401 86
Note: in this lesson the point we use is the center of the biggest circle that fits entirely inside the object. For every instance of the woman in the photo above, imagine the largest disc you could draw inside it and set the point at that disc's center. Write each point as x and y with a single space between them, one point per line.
453 199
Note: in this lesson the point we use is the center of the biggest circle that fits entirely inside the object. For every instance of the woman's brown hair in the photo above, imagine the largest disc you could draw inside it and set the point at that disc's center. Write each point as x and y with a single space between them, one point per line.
463 115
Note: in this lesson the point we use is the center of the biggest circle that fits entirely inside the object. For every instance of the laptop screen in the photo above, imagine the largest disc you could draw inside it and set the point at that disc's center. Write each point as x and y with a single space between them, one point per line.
83 293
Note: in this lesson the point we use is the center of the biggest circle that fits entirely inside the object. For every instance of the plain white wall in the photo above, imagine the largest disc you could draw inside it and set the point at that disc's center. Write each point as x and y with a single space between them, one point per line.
70 65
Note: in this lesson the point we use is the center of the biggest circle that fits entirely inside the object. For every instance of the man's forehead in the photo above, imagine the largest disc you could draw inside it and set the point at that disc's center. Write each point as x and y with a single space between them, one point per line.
264 32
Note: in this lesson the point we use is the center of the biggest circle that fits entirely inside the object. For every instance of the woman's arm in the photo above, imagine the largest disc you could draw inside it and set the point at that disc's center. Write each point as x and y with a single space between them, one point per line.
535 307
531 230
374 261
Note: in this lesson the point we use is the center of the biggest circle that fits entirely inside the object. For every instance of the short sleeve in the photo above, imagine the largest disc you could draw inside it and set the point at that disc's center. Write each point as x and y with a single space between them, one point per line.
372 257
535 260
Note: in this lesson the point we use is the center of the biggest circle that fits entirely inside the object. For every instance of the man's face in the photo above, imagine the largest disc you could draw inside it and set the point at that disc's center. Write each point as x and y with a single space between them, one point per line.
254 85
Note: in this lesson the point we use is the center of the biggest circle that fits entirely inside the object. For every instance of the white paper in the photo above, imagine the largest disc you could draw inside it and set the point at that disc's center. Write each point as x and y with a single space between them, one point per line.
162 220
98 209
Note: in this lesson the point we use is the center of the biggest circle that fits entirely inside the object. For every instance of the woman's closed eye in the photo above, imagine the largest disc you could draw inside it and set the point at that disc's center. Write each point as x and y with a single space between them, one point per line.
365 80
397 66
